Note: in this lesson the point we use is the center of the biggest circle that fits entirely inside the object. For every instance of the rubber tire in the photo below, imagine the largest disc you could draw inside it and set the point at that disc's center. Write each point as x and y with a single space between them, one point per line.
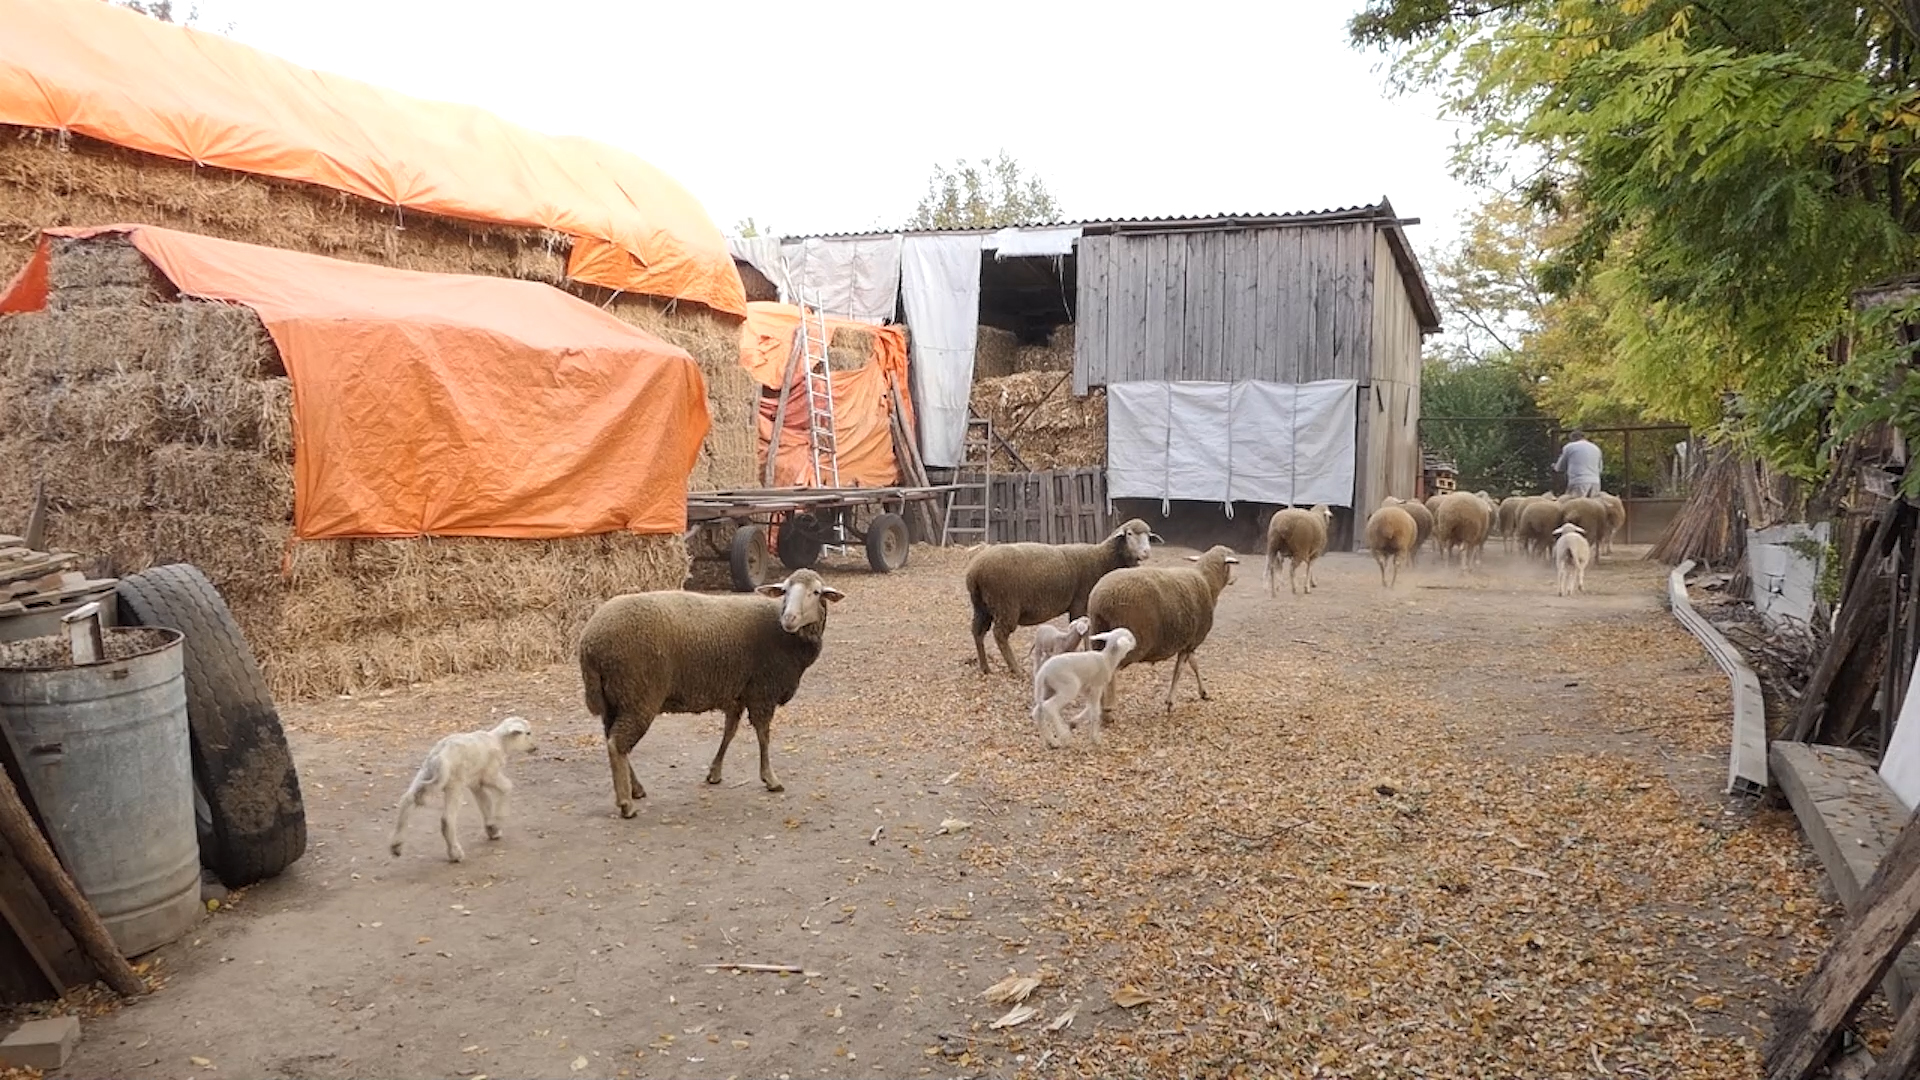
241 764
888 533
799 542
748 560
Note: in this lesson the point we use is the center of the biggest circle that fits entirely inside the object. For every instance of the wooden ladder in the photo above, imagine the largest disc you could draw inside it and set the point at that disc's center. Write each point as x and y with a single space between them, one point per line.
976 464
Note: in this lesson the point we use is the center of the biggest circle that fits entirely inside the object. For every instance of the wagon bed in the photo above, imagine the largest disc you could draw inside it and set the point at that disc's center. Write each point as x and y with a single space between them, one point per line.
802 522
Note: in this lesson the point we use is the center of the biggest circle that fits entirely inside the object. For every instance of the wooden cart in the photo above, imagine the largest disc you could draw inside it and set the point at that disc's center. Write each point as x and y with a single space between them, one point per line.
803 522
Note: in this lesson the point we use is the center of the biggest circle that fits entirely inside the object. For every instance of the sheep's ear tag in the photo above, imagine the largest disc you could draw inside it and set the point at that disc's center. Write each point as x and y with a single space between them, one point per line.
778 588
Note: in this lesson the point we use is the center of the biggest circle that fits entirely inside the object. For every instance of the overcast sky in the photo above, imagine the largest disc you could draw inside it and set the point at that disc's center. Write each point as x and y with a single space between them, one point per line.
828 116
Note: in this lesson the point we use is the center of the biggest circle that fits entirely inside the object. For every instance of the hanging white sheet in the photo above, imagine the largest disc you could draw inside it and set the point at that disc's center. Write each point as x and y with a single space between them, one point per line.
1019 243
763 254
1287 443
940 286
854 279
1900 765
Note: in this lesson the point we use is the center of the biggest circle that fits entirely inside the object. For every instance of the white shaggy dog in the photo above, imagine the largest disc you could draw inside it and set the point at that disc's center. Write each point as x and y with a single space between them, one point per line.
1571 553
473 761
1081 677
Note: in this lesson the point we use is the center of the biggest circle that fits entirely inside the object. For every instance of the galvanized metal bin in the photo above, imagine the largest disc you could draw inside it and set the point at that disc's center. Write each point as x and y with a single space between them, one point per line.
105 752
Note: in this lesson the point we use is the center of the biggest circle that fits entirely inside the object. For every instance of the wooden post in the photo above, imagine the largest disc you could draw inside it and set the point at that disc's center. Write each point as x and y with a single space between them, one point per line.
780 411
1902 1057
62 895
1855 963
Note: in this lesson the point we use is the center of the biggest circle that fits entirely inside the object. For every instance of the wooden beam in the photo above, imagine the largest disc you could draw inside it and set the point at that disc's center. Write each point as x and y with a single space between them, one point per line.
1902 1057
62 895
1807 1028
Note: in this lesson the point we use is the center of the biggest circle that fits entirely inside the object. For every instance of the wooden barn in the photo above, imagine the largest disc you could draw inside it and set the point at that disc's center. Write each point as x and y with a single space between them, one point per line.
1215 367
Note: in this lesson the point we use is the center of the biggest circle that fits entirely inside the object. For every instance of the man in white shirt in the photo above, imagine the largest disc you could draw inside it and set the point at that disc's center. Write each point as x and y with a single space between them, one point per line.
1580 460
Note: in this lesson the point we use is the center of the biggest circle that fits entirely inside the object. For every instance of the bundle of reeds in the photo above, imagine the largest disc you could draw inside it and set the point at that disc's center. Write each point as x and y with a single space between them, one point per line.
1708 529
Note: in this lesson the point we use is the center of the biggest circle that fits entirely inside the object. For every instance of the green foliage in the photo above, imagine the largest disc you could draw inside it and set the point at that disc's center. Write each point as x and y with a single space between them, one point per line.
983 195
746 227
1482 417
1724 176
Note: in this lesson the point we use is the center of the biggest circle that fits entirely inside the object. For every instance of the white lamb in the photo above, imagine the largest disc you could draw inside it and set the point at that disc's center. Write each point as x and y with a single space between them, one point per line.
1077 677
1571 554
1050 641
473 761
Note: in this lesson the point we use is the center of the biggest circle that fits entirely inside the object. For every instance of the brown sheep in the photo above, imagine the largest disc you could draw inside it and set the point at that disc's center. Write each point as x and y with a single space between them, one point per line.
1509 519
1591 516
1538 519
1296 537
1616 519
1169 610
1391 536
1460 525
1025 584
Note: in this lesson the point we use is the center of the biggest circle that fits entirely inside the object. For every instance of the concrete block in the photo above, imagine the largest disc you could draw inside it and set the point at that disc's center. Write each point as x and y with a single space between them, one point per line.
41 1044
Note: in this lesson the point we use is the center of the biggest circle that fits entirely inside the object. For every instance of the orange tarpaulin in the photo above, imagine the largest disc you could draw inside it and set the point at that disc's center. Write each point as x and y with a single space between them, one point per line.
112 74
860 424
444 404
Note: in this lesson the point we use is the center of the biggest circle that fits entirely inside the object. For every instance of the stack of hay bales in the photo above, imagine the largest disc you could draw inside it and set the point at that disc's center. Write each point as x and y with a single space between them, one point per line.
1039 415
849 348
162 430
49 180
998 353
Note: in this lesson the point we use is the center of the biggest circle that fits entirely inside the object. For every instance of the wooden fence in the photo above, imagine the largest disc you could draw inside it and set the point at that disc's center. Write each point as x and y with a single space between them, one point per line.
1059 506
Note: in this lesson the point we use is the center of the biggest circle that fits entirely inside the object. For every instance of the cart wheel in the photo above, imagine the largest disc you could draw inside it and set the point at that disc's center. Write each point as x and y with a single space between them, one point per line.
887 543
799 542
749 560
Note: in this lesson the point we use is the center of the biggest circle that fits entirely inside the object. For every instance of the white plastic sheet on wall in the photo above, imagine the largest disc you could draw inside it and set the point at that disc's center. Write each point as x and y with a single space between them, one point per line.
854 279
1013 243
1289 443
1900 765
940 286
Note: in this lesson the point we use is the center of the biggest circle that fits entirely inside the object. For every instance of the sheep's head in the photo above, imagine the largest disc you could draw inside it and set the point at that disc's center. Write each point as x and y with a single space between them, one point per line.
803 600
515 734
1323 512
1214 563
1569 527
1077 630
1138 538
1119 641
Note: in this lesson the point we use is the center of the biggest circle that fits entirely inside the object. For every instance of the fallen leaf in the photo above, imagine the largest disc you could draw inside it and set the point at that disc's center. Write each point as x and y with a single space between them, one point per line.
954 825
579 1063
202 1062
951 777
1064 1020
1011 989
1019 1014
1129 996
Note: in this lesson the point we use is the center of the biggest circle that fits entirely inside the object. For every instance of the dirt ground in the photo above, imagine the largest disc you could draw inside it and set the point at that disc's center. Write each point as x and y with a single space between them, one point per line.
1462 828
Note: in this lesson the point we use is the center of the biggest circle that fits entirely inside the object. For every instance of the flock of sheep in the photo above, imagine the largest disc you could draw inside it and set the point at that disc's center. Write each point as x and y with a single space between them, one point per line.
672 651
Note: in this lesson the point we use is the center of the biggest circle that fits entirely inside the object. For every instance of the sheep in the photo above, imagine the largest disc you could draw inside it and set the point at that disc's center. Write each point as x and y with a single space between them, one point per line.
472 761
1081 677
1422 520
1616 519
1169 610
1050 641
643 654
1391 536
1538 519
1299 536
1015 585
1509 519
1570 555
1590 515
1461 525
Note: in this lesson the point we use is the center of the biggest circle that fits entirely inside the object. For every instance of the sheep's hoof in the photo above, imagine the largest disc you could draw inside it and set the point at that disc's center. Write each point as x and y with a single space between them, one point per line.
713 777
776 787
394 847
493 832
628 810
456 855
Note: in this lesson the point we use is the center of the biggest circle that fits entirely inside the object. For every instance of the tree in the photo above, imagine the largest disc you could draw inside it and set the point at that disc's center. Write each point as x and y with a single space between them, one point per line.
1482 416
746 227
164 11
983 195
1729 174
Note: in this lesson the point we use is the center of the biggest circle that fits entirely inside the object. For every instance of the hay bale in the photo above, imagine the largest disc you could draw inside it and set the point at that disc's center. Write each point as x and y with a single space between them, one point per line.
111 543
240 483
241 557
1055 355
993 352
100 413
102 262
50 179
83 477
1055 430
849 348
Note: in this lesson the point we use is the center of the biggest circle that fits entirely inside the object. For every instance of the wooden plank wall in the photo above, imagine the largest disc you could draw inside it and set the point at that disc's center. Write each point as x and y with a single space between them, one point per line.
1058 506
1391 453
1278 304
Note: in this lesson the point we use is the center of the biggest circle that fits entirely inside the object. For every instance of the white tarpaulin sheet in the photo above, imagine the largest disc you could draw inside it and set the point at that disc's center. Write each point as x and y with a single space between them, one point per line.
940 286
1900 765
1289 443
763 254
1020 243
1783 576
855 279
